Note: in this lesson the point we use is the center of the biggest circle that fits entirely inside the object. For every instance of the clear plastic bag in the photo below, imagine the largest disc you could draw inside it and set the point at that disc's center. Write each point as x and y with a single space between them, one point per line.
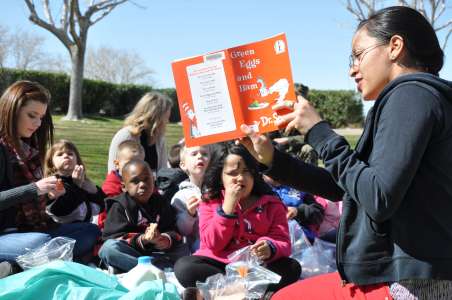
316 258
57 248
245 278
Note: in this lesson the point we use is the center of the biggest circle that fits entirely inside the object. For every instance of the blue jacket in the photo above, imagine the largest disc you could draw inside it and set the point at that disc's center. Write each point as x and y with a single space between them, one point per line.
396 185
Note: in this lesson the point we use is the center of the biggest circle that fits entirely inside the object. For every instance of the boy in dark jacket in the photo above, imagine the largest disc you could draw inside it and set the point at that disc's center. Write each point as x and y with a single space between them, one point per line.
139 222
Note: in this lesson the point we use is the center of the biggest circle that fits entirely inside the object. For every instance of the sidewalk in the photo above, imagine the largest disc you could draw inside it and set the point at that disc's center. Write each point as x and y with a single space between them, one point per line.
349 131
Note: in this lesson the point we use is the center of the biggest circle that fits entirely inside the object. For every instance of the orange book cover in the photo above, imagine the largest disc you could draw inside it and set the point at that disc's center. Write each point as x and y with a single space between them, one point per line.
219 91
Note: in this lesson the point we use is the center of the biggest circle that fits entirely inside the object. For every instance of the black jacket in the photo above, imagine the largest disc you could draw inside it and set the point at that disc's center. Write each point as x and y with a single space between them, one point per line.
73 198
397 184
123 222
11 196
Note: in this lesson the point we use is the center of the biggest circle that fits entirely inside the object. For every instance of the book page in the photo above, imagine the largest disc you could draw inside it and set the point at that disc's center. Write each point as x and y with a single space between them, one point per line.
212 105
263 79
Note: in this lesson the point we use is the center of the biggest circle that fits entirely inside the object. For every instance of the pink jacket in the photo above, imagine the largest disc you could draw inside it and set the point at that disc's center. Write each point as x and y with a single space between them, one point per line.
332 216
265 220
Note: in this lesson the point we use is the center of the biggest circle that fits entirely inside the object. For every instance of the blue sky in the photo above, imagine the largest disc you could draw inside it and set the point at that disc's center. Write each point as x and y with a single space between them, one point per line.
319 33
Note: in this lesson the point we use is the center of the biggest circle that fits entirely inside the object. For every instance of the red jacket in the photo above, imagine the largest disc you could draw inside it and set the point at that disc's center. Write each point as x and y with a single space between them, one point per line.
264 220
112 184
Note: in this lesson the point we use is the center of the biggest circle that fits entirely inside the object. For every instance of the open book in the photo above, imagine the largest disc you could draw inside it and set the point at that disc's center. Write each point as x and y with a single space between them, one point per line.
219 91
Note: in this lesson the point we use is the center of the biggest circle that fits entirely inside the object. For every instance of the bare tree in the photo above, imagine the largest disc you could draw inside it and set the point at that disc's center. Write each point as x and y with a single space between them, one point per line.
116 65
432 10
26 49
4 45
54 63
72 31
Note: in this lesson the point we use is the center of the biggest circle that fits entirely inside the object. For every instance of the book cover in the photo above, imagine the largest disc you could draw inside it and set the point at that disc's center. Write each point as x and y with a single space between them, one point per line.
219 91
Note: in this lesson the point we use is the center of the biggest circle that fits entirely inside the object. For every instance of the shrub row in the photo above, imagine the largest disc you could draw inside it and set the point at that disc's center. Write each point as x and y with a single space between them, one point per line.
340 108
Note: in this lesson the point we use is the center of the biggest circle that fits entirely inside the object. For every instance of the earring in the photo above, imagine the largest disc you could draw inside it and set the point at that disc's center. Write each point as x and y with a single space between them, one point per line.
392 57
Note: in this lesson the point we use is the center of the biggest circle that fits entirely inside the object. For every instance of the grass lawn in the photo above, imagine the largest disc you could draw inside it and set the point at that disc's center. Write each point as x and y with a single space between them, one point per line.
92 137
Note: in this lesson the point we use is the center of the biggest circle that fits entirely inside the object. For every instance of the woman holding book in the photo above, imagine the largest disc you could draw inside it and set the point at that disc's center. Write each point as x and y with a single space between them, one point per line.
396 184
146 124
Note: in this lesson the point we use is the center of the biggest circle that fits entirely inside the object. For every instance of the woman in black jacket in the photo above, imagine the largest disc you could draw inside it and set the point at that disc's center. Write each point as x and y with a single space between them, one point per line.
26 130
396 186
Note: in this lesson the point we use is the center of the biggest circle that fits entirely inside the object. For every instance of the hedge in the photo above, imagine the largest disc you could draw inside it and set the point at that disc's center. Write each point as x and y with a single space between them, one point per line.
340 108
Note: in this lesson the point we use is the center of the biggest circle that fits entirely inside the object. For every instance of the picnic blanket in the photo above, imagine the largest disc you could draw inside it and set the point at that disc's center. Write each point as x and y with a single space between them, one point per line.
68 280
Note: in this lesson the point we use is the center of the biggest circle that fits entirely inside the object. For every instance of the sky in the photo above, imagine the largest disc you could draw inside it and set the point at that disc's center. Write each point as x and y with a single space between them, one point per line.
318 32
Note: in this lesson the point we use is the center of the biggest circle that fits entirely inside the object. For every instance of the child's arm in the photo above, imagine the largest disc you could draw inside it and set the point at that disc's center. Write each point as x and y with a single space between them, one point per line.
64 202
97 198
82 181
215 226
117 226
89 186
184 220
278 235
167 222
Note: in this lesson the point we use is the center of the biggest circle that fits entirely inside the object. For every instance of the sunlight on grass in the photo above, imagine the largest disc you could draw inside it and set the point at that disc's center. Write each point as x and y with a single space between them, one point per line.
93 135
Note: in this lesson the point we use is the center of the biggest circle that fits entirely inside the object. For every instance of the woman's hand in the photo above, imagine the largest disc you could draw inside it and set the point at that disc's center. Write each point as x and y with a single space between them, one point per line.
260 146
261 249
56 193
78 175
303 117
46 185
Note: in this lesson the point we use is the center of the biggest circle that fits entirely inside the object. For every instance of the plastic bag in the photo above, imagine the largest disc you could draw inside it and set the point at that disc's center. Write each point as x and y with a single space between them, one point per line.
245 278
59 248
60 280
316 258
298 239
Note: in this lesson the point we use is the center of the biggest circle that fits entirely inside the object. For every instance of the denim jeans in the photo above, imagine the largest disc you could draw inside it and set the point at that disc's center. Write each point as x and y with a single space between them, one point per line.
17 243
119 254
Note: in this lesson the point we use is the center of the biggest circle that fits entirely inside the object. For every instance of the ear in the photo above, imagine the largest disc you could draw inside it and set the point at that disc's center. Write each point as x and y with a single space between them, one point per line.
123 186
182 166
396 47
116 163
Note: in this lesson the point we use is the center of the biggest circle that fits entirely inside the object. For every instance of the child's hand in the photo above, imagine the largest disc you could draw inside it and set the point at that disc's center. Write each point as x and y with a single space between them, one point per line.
162 242
192 205
151 232
291 212
261 249
78 175
231 197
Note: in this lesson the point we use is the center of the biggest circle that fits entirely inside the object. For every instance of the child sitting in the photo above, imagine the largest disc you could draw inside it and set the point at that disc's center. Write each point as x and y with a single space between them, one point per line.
76 198
140 223
238 210
127 150
168 179
193 161
301 207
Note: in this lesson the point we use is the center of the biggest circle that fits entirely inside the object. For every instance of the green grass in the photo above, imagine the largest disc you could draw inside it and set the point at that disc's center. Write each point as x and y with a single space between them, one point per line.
352 139
93 135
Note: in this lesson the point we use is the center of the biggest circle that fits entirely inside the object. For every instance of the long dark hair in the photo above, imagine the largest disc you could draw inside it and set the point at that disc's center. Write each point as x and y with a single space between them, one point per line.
421 43
13 99
212 182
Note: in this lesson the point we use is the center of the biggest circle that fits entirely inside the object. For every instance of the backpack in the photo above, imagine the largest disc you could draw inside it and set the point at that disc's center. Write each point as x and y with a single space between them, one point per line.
168 180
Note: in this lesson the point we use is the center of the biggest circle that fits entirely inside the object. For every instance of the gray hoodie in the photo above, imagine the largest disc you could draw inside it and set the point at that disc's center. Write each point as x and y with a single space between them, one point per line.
186 224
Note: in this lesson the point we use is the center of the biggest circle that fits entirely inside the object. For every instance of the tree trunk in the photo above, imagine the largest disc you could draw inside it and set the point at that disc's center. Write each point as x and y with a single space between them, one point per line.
74 111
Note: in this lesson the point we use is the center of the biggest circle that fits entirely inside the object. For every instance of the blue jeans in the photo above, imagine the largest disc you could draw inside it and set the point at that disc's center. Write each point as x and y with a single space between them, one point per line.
17 243
119 254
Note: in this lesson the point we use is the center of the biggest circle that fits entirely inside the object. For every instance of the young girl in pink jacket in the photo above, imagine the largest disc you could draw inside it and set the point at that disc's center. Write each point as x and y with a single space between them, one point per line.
238 209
